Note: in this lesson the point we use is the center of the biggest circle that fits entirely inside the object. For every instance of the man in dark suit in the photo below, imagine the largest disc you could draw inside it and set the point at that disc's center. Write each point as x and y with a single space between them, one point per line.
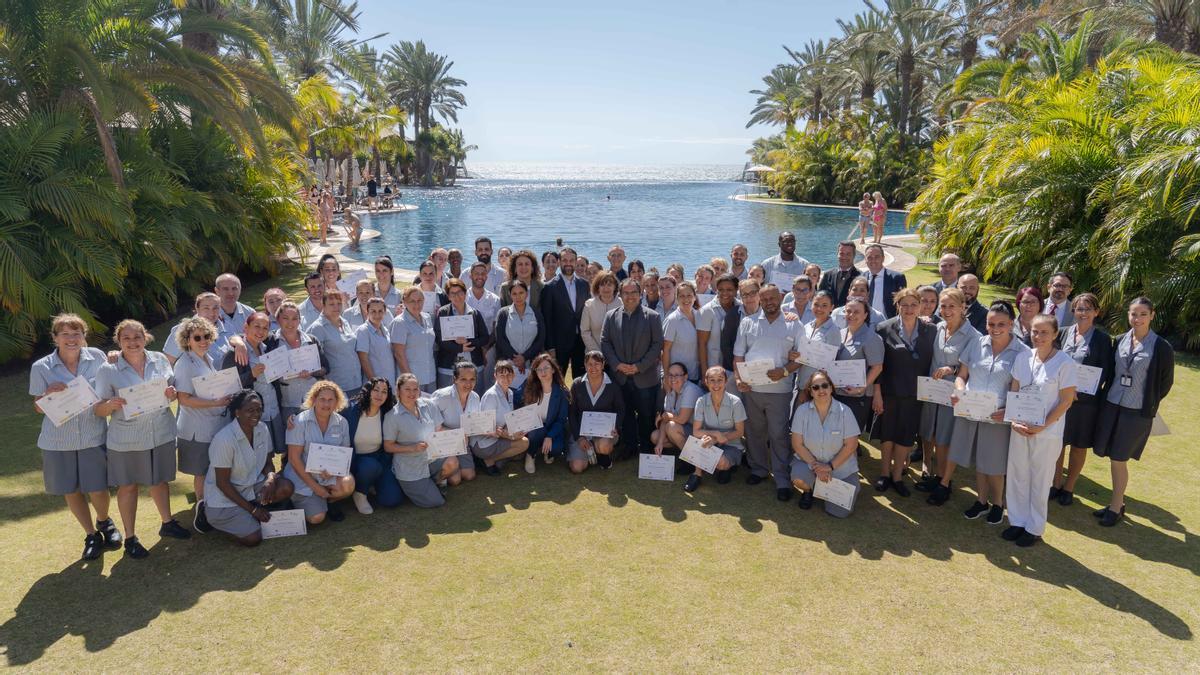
976 313
837 281
949 267
882 283
632 342
562 309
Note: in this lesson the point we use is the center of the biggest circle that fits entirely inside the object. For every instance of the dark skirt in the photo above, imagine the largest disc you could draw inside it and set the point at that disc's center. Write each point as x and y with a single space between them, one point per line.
1121 433
900 421
1079 428
861 407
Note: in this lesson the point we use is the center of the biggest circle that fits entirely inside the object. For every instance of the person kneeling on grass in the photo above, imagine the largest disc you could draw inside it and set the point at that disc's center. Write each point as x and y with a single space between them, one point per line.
593 392
824 443
241 480
720 419
500 445
406 432
318 423
676 410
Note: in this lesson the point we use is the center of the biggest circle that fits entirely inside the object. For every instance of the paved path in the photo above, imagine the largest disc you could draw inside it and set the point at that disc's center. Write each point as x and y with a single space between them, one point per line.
338 243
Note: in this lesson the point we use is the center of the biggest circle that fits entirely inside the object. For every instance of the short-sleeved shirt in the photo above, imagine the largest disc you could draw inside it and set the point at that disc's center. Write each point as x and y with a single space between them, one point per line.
1048 378
680 331
708 417
391 298
789 305
758 338
446 399
418 339
216 348
499 399
520 329
865 344
308 314
84 430
196 424
340 345
1133 364
710 319
405 428
376 343
230 449
294 390
488 306
235 323
794 267
145 431
825 439
989 371
685 399
948 350
306 431
355 316
828 333
494 279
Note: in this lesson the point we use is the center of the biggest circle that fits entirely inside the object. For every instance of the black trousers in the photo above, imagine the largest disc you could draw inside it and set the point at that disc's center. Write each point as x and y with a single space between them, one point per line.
573 358
640 403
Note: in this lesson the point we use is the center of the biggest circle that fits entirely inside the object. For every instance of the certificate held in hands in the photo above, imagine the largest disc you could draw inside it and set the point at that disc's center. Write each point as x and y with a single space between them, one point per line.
849 373
754 373
523 420
816 353
699 456
1026 407
597 424
446 443
479 422
976 405
143 398
837 492
218 384
1087 379
332 459
289 523
458 327
62 406
934 391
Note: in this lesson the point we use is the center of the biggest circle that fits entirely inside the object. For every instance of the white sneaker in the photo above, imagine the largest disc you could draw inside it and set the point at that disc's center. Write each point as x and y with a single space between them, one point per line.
548 458
591 455
362 504
530 464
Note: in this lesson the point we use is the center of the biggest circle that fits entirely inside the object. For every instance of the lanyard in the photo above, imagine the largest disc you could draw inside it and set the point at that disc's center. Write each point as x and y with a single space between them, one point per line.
1133 354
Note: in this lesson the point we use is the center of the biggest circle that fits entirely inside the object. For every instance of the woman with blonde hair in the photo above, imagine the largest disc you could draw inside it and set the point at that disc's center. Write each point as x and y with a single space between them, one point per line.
199 418
878 216
319 422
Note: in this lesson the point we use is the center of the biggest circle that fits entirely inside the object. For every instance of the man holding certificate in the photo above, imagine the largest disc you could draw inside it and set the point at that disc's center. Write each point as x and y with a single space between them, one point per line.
768 335
596 401
1047 376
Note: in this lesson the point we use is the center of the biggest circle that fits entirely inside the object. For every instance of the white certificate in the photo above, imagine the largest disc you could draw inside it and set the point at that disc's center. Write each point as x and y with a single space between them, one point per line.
699 456
479 422
705 298
597 424
1159 427
836 492
61 406
783 280
217 384
332 459
349 282
446 443
278 364
816 353
289 523
935 391
656 467
458 327
305 358
523 420
1026 407
431 302
976 405
1087 379
848 373
754 373
143 398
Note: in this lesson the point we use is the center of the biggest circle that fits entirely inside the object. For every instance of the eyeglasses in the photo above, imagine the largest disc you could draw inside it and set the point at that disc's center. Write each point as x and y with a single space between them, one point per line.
544 369
202 338
820 385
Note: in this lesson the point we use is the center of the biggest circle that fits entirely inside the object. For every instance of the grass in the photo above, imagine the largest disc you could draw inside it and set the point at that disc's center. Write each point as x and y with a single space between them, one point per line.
606 572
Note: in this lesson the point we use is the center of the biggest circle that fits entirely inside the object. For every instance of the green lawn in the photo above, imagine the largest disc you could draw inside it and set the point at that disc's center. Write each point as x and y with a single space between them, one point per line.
606 572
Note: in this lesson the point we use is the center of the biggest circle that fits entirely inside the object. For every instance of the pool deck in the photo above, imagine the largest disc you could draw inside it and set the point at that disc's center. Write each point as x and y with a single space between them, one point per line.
776 201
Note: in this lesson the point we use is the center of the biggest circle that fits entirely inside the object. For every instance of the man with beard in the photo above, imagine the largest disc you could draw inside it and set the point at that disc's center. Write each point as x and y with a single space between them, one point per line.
483 253
976 313
786 263
1058 300
562 310
487 303
738 255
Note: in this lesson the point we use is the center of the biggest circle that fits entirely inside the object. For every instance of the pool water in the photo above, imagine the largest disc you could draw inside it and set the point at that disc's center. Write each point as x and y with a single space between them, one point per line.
659 215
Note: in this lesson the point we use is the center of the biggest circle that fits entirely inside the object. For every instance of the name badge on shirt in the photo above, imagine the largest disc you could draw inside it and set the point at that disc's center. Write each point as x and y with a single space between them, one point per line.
1126 381
835 433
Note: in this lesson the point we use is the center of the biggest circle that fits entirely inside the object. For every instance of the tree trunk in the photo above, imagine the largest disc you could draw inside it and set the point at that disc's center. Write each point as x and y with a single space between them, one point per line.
906 66
112 160
1171 31
205 43
970 49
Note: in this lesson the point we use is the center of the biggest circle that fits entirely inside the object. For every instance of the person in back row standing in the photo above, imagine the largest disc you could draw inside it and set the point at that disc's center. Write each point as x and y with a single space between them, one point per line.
563 299
882 283
837 281
949 267
233 313
1058 299
785 262
483 253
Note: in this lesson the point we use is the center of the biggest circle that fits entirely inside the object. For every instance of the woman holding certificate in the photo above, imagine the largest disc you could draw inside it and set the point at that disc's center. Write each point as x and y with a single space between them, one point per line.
825 444
677 411
1144 373
604 299
294 389
954 334
1092 350
499 398
373 342
413 340
252 375
200 417
679 332
241 481
406 432
907 353
520 330
821 329
451 350
721 421
73 457
371 464
1043 388
453 402
339 343
985 374
859 343
137 391
595 401
547 391
433 297
319 423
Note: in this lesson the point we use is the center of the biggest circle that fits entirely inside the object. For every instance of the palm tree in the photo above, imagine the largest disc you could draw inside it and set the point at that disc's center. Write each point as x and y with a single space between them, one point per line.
862 55
915 34
817 76
420 81
781 101
972 19
310 37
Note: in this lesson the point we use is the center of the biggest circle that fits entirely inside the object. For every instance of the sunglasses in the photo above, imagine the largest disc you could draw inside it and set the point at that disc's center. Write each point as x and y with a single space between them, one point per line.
202 338
820 385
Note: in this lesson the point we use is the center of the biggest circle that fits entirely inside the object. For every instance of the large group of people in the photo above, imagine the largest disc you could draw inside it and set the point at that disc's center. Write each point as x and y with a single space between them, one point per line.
781 366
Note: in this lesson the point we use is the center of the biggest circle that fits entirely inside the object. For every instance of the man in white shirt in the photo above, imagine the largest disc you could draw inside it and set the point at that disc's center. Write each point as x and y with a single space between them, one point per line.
1058 300
487 303
233 313
882 283
739 254
483 253
310 309
786 263
949 267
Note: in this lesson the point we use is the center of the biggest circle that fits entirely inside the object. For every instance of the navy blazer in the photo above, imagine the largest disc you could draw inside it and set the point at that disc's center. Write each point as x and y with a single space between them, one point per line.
562 320
1101 354
892 282
828 283
555 426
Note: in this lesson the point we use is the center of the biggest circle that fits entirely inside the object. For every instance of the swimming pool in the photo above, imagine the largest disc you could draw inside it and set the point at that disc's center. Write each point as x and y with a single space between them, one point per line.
659 215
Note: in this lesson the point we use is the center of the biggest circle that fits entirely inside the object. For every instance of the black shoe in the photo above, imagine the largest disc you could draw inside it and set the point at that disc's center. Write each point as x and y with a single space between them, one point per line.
939 496
1026 540
927 483
1053 493
754 480
334 512
112 537
173 530
692 484
995 515
1066 498
1012 533
882 484
1100 512
134 549
977 509
915 456
93 545
492 470
783 494
900 488
859 450
806 500
724 476
200 519
1111 517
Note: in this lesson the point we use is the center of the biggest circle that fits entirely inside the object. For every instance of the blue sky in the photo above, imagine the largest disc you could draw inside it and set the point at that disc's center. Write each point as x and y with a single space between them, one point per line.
620 82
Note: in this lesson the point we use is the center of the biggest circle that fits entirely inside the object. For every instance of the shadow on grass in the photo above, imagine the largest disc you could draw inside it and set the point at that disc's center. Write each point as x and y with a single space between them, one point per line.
80 600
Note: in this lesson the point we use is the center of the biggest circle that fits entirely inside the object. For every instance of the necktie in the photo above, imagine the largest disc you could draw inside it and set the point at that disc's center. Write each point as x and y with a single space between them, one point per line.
871 290
1053 309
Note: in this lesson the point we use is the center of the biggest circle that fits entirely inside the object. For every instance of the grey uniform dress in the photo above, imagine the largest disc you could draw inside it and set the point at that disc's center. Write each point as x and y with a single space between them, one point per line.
824 440
376 343
292 391
731 411
681 333
195 427
418 338
984 445
866 345
413 470
446 400
828 333
73 455
141 451
937 421
245 458
341 350
304 432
